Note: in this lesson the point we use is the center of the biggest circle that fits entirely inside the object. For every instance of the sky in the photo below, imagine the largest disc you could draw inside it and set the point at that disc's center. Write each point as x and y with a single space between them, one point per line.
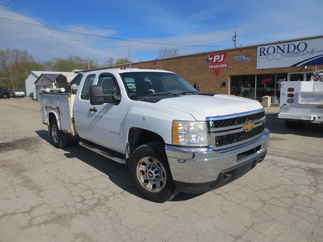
99 29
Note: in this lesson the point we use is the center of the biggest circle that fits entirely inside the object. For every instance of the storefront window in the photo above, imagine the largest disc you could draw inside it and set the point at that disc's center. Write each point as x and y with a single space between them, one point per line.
296 77
266 85
243 86
269 85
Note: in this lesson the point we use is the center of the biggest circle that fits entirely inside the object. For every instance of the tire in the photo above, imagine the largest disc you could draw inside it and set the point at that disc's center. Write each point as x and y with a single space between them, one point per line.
149 168
56 136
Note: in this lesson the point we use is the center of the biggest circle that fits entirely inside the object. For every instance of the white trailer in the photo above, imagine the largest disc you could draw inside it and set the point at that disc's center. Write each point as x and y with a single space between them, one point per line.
301 98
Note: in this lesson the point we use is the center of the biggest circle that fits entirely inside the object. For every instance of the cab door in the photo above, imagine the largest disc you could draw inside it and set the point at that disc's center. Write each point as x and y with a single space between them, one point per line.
82 109
104 126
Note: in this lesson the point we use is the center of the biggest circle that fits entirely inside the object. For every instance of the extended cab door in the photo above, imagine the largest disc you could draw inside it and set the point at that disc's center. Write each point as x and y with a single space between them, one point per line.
82 108
104 125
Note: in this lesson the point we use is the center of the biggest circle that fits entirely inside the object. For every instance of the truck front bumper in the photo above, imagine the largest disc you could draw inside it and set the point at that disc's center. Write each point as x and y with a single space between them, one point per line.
197 170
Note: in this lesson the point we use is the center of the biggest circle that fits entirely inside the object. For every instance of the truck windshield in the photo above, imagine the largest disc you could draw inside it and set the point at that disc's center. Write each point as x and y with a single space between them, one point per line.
146 84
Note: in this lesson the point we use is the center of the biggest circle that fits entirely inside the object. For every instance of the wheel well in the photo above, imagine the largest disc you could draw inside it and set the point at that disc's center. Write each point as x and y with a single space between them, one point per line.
139 136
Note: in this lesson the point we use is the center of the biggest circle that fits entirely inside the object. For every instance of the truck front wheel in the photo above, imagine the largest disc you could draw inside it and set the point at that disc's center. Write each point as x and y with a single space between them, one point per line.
149 168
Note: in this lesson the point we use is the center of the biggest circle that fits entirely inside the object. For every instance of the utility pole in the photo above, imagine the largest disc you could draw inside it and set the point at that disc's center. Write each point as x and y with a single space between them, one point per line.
234 39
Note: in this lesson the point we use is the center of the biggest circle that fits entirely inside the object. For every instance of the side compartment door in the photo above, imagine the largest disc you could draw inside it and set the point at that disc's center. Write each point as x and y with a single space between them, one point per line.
83 112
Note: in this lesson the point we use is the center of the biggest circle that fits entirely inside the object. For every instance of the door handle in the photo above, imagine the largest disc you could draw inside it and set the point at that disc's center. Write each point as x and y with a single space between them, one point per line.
93 109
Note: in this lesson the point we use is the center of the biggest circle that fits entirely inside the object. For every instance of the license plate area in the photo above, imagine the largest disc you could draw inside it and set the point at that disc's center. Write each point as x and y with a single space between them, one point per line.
248 152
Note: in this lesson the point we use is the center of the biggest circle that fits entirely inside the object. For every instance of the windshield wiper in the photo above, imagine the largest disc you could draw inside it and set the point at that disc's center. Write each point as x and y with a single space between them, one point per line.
188 92
157 94
168 94
162 94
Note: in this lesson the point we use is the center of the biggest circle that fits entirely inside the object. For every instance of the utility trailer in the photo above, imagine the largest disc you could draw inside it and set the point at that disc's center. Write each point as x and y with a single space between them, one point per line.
60 104
301 98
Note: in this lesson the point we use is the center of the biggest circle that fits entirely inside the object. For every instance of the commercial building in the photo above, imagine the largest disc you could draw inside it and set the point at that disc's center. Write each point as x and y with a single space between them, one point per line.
251 71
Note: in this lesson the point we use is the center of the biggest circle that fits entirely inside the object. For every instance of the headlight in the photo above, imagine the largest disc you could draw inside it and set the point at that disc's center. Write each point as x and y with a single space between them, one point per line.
189 133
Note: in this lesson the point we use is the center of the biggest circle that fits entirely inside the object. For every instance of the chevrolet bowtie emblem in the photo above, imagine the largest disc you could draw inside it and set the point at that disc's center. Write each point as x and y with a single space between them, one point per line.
248 126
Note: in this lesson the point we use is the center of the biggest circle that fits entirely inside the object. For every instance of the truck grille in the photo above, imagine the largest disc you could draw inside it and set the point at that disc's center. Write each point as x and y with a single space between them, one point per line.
237 137
235 121
230 130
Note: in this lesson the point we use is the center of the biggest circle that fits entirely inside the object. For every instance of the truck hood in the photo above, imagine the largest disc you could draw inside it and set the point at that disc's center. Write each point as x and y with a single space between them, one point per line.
203 106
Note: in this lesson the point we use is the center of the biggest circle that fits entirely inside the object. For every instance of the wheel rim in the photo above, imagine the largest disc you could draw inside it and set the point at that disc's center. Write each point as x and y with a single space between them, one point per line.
151 174
55 133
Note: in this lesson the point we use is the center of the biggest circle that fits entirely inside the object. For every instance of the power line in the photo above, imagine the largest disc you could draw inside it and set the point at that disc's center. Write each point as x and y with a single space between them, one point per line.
105 36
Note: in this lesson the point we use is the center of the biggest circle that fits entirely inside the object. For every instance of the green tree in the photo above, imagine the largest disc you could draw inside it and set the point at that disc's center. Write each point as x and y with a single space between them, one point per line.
71 63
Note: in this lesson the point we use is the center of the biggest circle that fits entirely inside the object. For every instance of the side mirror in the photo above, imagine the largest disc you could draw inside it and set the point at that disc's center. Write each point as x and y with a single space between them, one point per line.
96 95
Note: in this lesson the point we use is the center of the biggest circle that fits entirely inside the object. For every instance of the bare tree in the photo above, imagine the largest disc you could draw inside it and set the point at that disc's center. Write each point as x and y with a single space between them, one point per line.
168 52
15 65
109 62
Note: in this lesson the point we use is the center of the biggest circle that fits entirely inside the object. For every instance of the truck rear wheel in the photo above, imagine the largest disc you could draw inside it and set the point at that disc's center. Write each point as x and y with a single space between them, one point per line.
56 136
149 168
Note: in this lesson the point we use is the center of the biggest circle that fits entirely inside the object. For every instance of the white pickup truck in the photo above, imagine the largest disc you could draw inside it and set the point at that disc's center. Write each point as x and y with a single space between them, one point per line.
171 137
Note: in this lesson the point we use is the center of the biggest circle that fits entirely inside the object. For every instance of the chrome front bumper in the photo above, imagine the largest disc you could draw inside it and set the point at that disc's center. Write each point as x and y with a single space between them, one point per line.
203 165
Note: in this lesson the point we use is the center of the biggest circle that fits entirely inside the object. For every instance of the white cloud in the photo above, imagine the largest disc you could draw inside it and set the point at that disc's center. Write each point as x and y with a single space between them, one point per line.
44 42
186 44
22 32
90 30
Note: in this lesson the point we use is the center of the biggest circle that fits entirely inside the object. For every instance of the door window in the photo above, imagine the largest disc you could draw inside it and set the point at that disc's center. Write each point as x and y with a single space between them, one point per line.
86 87
77 80
109 84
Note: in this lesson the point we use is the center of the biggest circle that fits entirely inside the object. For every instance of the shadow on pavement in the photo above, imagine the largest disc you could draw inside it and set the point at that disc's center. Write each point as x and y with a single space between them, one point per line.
278 126
117 173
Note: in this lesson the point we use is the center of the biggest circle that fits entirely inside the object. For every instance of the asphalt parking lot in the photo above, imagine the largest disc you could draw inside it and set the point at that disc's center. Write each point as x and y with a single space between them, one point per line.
47 194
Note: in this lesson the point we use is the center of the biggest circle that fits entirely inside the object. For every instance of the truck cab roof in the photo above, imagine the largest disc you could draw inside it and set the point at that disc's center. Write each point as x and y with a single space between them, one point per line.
125 70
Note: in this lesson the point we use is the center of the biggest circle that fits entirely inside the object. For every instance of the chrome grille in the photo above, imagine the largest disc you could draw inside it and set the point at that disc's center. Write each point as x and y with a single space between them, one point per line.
237 137
229 130
223 123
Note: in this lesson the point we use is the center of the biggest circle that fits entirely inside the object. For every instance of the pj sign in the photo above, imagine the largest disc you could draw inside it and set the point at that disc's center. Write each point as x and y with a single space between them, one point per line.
216 62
